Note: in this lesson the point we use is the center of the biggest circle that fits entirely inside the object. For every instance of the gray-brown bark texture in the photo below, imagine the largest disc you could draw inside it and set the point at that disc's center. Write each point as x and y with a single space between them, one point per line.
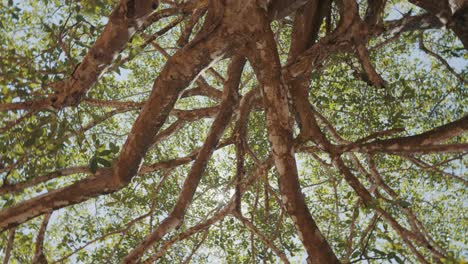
452 13
241 31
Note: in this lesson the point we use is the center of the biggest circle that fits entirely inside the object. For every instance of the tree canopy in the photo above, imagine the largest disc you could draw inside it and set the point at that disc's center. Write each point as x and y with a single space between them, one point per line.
228 131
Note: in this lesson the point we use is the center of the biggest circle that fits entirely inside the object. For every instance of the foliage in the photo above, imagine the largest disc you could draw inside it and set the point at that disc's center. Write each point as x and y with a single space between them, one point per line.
43 42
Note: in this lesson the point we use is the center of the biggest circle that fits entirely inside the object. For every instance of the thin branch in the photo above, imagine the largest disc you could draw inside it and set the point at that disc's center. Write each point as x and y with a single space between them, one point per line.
175 218
197 246
256 173
9 246
262 237
425 166
39 256
439 58
166 90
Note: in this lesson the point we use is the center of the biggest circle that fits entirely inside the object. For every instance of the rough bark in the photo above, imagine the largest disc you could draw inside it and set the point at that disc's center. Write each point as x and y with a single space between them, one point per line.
175 218
265 62
256 173
127 18
426 140
453 14
240 28
305 33
374 11
225 28
176 75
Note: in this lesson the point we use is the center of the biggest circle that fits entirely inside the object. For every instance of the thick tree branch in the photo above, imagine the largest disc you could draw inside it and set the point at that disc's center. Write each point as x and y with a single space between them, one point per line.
175 218
176 75
363 56
425 142
161 165
265 61
374 12
256 173
454 16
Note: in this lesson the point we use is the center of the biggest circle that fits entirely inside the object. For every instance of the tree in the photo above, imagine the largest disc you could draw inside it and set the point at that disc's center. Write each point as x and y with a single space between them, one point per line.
332 131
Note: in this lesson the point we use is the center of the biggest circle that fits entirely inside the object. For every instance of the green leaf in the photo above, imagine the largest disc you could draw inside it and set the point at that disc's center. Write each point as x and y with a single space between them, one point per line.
29 142
114 148
379 252
79 18
93 164
8 203
391 255
105 152
104 162
404 203
398 259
